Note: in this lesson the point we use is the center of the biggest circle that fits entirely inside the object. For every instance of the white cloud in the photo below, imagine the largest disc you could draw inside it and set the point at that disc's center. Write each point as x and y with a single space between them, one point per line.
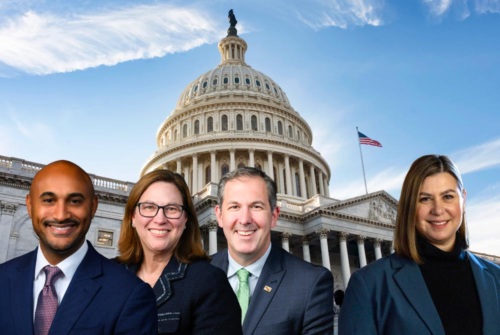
342 13
41 43
483 217
461 8
479 157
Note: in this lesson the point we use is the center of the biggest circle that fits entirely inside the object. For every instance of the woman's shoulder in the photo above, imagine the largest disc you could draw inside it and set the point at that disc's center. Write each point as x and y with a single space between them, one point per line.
203 268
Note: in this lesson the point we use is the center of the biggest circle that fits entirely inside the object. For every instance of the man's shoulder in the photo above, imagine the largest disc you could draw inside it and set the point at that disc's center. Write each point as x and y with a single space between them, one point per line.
19 262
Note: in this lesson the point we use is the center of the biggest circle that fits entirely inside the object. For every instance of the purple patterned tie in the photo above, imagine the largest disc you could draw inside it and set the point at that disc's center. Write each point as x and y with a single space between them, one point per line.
47 301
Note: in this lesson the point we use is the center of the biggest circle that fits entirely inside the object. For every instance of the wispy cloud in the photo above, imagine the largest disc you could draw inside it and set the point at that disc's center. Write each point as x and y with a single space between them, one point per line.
44 43
342 13
461 8
479 157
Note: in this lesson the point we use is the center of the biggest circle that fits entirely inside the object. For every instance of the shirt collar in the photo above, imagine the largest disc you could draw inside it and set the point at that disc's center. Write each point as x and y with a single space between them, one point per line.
255 268
67 266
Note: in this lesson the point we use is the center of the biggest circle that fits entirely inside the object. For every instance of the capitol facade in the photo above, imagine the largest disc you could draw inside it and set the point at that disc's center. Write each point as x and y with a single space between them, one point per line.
229 117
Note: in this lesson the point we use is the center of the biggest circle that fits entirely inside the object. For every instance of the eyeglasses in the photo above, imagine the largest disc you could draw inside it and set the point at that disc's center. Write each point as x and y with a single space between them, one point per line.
150 210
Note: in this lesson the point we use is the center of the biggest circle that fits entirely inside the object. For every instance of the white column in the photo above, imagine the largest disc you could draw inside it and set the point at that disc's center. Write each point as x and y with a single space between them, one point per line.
194 187
186 178
302 178
378 249
232 160
179 166
321 184
344 258
288 174
305 249
212 237
313 180
327 189
270 171
361 250
285 237
213 168
282 178
251 157
294 183
325 254
7 211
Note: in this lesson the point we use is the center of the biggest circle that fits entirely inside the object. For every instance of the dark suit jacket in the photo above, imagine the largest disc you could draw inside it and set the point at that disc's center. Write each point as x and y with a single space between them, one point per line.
292 296
390 297
195 298
102 298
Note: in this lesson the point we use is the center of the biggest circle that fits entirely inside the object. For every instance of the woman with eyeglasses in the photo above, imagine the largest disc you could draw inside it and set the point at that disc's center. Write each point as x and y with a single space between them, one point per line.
160 242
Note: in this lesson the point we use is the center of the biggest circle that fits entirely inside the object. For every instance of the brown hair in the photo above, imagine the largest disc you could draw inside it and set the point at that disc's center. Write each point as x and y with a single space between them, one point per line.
189 247
405 240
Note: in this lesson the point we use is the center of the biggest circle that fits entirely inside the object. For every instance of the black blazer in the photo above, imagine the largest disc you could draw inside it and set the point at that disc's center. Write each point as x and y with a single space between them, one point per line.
102 298
195 298
292 296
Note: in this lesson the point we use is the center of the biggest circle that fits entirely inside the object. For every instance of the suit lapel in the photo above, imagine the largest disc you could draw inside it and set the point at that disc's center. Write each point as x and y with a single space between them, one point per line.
21 293
80 293
269 282
488 296
410 281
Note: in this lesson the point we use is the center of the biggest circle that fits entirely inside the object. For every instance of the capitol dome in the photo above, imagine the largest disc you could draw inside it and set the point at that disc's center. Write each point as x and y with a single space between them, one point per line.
235 116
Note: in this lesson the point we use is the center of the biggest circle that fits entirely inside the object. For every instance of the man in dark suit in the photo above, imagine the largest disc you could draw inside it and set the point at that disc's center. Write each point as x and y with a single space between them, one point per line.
287 295
94 294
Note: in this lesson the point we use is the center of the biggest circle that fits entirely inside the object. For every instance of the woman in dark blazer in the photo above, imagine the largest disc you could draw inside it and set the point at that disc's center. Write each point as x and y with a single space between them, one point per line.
431 284
160 241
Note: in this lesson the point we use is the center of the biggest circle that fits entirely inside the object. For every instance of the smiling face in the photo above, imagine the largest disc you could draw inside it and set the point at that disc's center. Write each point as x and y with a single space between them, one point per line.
440 208
159 235
61 204
246 218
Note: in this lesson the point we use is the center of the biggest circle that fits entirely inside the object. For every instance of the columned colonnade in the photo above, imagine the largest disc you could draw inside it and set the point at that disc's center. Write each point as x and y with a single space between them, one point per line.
212 228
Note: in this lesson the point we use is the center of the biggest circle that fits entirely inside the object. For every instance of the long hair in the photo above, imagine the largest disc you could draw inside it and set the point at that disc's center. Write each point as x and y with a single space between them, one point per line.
252 173
405 239
189 247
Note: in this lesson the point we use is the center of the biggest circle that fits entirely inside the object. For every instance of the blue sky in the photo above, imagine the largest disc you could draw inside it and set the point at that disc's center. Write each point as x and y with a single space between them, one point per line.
92 80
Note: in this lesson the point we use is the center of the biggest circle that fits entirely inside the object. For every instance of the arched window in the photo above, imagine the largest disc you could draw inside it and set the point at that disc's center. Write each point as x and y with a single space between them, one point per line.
257 82
224 169
239 122
236 80
247 81
205 83
280 128
290 132
196 127
226 80
268 124
298 135
214 82
224 122
241 165
254 122
210 124
185 131
175 135
258 166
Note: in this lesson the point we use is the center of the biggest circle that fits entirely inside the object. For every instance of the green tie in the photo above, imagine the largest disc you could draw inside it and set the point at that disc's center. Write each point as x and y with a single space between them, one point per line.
243 293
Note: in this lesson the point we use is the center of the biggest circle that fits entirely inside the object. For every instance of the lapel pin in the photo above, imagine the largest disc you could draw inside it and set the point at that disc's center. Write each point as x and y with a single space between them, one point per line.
267 288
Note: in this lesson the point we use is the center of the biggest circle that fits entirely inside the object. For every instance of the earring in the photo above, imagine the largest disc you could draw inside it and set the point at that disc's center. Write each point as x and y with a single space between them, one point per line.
133 224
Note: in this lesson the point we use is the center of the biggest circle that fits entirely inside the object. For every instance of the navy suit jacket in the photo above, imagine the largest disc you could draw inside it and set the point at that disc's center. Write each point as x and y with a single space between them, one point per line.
102 298
292 296
390 297
195 298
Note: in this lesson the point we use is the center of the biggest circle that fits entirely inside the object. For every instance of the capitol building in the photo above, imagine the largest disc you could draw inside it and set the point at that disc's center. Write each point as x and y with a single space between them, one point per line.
228 117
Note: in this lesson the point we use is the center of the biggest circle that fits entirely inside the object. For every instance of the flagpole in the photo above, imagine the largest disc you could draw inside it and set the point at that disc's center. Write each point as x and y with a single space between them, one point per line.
362 163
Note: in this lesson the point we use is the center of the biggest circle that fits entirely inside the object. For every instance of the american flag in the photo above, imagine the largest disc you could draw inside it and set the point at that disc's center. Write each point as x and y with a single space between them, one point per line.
363 139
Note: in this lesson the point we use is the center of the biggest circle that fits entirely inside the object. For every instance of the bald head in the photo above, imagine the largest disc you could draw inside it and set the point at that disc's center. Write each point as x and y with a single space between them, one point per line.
61 204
